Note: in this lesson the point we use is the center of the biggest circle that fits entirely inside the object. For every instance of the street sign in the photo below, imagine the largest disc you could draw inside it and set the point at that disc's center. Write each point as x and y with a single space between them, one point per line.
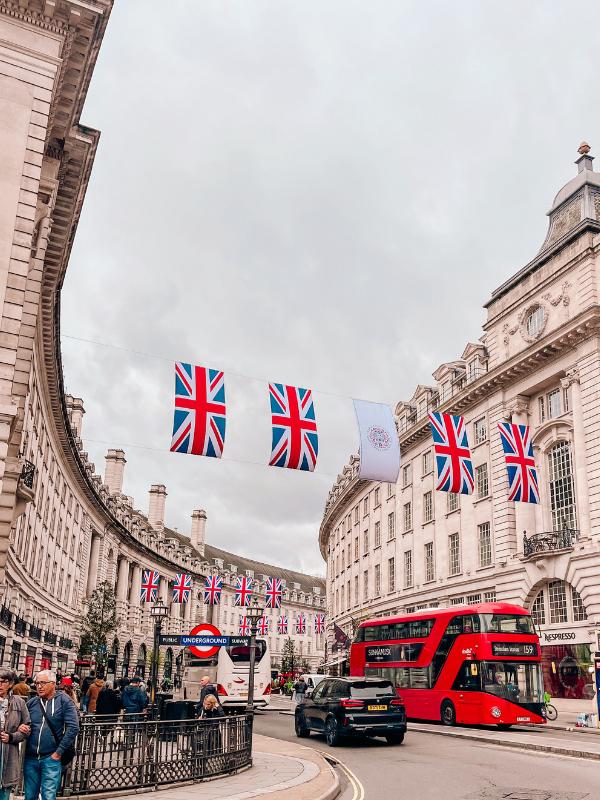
184 640
204 629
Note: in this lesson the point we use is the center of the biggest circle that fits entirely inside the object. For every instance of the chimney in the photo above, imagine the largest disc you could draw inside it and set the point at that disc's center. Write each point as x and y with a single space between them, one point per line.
75 411
198 534
113 474
156 508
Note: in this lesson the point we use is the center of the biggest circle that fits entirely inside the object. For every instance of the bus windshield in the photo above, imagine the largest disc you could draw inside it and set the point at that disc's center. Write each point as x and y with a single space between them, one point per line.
507 623
519 683
240 654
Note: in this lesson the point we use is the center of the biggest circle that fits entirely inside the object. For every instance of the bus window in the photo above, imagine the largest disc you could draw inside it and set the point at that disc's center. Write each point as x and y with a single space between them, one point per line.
468 678
508 623
240 654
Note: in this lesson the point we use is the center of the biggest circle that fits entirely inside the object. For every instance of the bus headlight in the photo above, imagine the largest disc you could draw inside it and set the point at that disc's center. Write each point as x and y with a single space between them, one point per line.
496 712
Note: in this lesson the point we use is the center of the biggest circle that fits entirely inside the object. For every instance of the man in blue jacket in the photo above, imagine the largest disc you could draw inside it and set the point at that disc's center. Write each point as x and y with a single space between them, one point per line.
52 733
134 699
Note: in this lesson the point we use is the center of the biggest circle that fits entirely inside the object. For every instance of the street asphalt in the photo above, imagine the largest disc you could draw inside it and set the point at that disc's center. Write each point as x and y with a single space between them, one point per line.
429 765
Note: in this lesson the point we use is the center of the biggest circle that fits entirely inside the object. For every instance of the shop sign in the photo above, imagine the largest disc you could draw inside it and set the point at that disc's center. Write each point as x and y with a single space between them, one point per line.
564 636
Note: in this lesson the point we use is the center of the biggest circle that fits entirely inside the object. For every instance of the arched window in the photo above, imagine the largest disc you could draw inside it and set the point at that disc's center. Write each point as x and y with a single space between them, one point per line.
534 321
538 609
562 487
557 602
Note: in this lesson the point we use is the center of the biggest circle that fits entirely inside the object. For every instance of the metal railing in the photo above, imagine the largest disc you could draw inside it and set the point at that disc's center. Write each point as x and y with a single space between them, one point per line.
549 541
28 474
123 756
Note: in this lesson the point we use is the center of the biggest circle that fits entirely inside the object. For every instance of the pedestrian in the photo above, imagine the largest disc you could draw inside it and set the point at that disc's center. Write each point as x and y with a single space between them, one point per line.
108 704
21 688
14 728
66 685
54 728
211 708
211 734
92 694
300 688
134 698
206 688
87 682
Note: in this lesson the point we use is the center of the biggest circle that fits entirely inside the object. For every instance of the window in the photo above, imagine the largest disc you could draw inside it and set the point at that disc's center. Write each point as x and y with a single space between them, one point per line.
480 430
489 596
427 506
454 554
481 477
429 562
348 553
562 490
553 404
366 584
391 574
366 506
534 322
343 605
356 515
472 370
565 399
348 522
378 534
391 526
377 500
473 599
538 610
407 517
377 580
365 543
390 492
408 569
426 462
406 475
343 560
484 540
452 502
579 612
356 596
558 602
457 601
356 549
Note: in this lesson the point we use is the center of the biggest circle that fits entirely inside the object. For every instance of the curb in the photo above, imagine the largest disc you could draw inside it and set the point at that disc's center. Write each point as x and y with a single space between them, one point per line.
333 791
540 748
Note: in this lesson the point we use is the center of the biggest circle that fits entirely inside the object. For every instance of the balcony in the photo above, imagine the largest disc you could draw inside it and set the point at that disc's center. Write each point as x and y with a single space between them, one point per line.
35 632
549 542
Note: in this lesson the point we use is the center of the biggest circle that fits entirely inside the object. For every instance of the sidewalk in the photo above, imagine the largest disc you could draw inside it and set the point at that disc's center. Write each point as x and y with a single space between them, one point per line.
568 711
280 770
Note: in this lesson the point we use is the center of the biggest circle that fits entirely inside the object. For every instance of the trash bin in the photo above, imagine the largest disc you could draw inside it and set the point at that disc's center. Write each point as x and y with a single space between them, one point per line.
170 712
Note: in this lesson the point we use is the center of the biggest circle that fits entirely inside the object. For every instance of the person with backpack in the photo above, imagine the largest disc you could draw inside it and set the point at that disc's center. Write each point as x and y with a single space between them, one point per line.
14 722
300 688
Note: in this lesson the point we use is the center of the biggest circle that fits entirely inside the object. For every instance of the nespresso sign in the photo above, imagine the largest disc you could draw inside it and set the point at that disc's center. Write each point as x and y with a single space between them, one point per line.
514 649
393 652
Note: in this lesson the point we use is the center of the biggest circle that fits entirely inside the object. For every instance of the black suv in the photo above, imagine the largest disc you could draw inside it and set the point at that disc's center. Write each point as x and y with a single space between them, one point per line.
352 707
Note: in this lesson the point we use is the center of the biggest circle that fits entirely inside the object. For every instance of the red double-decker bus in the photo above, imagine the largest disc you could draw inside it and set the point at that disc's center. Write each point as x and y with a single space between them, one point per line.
477 665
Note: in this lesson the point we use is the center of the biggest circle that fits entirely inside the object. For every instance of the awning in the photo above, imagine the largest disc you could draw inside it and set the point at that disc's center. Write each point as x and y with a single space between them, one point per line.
336 663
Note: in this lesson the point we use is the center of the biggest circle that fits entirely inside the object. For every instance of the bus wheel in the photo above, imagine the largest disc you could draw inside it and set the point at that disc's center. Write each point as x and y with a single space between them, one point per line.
448 713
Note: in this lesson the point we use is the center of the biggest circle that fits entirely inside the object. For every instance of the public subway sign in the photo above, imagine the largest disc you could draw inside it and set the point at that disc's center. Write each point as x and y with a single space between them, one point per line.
204 641
514 649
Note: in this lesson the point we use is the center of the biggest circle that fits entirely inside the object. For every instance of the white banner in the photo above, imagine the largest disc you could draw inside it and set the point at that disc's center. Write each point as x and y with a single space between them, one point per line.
379 446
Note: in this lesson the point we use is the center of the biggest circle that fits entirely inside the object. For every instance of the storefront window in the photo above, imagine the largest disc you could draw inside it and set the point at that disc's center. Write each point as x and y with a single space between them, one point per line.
579 614
566 670
558 602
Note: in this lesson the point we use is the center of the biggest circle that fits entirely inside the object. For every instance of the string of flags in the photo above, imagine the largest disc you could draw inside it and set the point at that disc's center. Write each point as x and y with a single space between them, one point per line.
300 624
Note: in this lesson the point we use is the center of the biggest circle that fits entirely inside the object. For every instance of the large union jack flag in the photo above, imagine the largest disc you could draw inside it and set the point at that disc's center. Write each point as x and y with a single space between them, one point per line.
213 585
452 453
245 627
199 420
273 592
295 441
263 626
518 454
149 589
319 623
301 623
282 624
243 591
182 588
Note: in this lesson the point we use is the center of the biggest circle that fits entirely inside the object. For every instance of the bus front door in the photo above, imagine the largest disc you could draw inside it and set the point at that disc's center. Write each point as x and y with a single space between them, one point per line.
467 688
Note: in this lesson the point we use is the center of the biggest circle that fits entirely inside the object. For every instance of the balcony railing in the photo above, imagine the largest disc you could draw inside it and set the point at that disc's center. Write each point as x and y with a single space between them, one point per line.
549 541
6 616
20 626
27 474
35 632
50 638
64 642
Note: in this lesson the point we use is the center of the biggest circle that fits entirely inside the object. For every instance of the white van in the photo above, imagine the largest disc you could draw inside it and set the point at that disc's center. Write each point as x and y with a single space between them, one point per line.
313 680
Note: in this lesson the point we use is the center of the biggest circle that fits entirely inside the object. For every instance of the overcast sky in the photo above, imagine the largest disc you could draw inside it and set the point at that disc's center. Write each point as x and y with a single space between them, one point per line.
322 193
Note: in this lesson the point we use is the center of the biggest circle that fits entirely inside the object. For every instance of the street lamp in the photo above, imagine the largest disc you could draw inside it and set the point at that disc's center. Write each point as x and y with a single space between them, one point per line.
254 612
158 612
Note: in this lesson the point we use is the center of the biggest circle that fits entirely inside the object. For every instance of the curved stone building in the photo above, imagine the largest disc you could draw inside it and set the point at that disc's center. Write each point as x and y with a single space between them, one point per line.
393 549
63 528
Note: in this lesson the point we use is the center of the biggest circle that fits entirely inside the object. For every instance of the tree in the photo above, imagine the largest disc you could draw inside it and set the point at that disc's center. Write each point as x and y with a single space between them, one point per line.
305 667
99 621
288 656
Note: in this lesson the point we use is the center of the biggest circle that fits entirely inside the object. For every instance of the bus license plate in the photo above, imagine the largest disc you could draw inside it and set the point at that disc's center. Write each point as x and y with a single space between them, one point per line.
377 708
523 719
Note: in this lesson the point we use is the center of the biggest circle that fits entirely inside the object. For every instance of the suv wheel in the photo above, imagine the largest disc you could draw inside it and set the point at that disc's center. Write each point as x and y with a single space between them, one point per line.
394 738
331 732
300 725
448 713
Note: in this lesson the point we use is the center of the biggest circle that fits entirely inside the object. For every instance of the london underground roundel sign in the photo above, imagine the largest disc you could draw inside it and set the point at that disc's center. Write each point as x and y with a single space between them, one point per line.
204 629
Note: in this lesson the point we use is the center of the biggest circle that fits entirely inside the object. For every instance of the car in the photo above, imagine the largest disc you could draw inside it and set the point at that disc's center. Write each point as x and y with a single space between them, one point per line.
345 707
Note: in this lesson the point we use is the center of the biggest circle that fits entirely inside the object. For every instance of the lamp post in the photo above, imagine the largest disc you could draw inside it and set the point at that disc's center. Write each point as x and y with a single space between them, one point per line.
158 612
254 612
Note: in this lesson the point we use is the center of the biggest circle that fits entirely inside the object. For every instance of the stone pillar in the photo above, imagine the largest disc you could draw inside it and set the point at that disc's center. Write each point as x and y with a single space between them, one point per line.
113 474
136 585
156 507
123 580
76 411
524 512
198 532
92 577
571 379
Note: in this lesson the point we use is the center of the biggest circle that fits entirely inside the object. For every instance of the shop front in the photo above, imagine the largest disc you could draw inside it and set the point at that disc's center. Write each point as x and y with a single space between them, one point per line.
567 662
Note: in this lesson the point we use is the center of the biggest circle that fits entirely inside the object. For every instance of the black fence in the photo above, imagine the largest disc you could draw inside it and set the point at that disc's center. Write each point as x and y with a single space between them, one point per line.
127 756
549 541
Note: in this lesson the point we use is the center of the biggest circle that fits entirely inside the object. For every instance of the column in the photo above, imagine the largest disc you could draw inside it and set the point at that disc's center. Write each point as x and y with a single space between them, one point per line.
136 587
571 380
92 577
524 512
123 580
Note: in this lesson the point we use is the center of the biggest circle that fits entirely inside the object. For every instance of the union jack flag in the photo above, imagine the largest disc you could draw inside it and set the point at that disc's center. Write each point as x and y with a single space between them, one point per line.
452 453
295 441
273 592
282 624
319 623
212 589
520 464
263 626
245 626
149 590
182 588
301 623
243 591
199 419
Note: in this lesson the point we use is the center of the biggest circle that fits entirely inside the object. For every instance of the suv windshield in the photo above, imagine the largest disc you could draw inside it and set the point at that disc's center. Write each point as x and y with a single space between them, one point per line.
371 689
507 623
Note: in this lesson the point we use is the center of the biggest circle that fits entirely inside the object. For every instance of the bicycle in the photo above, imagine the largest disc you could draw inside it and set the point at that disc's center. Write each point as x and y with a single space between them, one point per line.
551 712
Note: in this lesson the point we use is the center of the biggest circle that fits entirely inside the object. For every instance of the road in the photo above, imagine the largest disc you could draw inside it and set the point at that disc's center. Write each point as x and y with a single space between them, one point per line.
446 768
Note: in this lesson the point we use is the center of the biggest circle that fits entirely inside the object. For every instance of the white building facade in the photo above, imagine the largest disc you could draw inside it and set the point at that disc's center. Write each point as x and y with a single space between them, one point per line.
395 549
